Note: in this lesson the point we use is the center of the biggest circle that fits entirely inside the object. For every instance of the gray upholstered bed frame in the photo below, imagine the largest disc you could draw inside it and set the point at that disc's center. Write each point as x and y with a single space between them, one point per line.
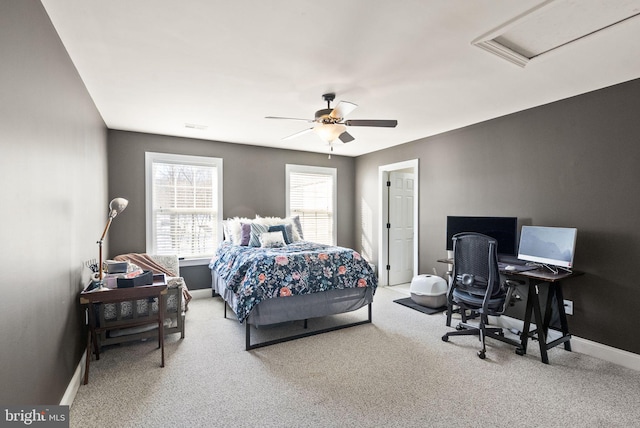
293 308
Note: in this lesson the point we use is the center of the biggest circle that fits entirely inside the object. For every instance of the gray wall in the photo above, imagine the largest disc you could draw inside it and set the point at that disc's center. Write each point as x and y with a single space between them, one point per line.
254 183
570 163
53 168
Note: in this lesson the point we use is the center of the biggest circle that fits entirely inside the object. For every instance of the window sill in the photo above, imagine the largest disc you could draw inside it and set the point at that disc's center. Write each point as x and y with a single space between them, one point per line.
195 262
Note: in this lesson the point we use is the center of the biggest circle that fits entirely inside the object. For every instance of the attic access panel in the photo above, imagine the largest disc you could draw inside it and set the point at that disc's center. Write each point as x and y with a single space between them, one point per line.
553 24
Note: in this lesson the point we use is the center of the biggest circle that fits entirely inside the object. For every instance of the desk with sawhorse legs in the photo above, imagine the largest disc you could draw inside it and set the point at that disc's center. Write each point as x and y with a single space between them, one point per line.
534 279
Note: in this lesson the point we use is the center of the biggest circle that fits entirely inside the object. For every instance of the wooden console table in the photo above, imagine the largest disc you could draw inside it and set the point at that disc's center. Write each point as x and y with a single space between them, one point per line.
91 298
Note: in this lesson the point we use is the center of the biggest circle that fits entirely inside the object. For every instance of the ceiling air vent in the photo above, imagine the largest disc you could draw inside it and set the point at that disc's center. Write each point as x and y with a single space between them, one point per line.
195 126
553 24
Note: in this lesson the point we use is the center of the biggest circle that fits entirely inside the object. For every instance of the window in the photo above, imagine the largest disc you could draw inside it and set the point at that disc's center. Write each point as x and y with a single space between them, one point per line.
184 204
311 195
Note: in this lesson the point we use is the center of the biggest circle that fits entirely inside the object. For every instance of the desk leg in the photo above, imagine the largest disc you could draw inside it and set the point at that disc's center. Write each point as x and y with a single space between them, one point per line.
540 326
88 359
555 290
524 336
161 327
563 316
548 308
92 328
564 325
91 339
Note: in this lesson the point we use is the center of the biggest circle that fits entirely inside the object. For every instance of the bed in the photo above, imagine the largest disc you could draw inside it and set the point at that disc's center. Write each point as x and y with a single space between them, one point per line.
297 280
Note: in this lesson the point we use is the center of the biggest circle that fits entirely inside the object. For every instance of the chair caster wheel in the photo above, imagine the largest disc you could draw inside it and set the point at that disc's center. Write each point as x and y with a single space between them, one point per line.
459 327
519 351
482 355
445 338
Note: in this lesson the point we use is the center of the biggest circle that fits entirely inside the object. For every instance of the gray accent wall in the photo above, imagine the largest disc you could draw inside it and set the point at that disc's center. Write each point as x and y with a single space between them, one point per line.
253 180
53 169
572 163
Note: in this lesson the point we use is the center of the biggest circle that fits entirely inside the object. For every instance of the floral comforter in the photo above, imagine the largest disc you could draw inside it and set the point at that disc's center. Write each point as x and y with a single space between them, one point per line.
255 273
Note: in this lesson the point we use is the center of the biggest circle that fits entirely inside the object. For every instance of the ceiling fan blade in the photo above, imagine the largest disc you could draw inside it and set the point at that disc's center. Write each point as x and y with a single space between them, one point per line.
367 122
289 118
297 134
345 137
342 109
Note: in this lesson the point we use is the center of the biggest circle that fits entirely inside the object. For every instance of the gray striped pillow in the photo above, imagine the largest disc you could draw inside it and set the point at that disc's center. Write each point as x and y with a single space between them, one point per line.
256 231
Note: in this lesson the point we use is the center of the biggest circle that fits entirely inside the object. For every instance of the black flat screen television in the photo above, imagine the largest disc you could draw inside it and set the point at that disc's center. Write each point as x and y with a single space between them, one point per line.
502 229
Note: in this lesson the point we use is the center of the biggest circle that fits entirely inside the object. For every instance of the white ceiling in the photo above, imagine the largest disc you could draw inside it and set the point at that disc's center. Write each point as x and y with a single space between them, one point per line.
155 65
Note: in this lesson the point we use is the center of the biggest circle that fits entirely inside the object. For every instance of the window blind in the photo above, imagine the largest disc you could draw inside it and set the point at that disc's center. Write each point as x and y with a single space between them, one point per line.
184 208
311 197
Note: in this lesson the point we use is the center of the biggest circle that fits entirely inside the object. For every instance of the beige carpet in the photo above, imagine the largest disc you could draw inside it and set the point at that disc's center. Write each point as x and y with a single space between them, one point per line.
396 372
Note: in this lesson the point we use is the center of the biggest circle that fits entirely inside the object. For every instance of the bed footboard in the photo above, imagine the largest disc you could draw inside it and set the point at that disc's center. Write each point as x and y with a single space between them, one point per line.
249 346
296 308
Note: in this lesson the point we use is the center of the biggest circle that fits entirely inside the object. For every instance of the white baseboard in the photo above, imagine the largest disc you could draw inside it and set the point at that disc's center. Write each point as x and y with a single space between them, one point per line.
74 384
614 355
583 346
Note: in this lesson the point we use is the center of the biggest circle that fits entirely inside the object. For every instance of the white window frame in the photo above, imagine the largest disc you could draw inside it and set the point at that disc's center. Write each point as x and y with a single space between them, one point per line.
150 158
333 172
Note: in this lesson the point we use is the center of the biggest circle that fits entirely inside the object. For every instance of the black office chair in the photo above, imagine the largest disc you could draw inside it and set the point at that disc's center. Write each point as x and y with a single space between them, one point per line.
475 288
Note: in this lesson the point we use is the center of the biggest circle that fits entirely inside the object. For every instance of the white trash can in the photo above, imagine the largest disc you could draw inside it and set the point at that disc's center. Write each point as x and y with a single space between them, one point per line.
429 290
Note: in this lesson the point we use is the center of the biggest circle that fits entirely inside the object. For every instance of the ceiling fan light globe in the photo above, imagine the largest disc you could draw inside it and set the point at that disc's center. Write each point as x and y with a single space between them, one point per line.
329 131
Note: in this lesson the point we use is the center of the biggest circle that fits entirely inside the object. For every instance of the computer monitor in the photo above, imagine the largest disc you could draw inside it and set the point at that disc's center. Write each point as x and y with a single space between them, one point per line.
503 229
548 245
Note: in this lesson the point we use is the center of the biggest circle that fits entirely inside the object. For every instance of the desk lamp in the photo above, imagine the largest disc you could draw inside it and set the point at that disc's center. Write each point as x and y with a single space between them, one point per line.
116 206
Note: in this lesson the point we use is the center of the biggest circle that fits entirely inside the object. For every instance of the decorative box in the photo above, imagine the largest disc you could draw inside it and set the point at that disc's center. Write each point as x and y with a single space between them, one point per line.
116 267
145 278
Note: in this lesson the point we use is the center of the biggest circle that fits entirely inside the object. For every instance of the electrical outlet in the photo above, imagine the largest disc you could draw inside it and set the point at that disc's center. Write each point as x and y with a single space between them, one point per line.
568 307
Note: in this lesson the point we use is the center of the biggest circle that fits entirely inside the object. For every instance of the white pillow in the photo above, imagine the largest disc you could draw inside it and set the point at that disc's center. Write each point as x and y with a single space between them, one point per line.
272 239
235 229
268 221
225 230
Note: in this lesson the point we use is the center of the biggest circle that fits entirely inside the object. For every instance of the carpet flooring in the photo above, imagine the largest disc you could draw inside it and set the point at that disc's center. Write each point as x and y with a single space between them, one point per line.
395 372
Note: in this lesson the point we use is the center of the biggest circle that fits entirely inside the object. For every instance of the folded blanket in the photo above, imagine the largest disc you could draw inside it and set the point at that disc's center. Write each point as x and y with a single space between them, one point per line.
144 262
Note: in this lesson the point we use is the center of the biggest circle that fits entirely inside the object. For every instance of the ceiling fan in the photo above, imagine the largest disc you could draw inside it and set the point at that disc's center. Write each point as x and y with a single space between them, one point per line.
330 124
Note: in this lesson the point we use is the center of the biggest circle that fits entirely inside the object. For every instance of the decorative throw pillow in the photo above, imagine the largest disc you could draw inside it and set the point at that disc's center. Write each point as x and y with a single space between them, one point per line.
256 231
285 233
293 235
296 222
269 221
272 239
234 227
245 233
225 230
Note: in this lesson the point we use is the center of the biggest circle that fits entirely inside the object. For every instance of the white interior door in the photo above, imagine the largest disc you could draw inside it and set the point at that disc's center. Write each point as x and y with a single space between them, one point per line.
400 227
